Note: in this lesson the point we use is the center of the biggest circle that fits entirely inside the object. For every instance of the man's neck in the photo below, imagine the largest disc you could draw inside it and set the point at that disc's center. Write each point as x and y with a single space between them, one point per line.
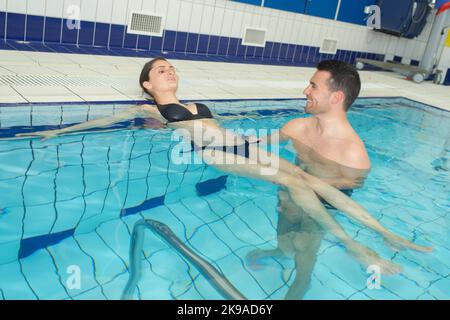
331 123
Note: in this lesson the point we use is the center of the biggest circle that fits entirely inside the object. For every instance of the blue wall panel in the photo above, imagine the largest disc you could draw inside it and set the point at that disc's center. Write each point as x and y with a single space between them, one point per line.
233 46
143 42
213 45
223 45
259 52
255 2
298 53
287 5
116 37
275 50
52 29
267 49
439 3
192 41
15 28
283 51
2 24
203 43
352 11
249 52
447 78
130 40
291 50
35 28
169 40
70 35
101 34
241 49
321 8
180 41
156 43
86 35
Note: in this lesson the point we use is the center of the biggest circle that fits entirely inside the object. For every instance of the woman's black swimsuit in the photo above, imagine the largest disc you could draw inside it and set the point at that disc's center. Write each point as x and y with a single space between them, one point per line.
174 112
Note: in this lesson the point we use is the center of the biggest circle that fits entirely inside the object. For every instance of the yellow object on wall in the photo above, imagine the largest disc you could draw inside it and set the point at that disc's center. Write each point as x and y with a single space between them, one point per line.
447 40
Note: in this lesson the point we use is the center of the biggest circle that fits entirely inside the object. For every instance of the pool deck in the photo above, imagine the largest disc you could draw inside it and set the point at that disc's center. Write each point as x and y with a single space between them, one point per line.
57 77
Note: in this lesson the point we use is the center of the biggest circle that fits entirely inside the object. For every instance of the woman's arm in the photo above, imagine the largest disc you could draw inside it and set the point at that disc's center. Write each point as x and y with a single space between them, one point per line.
274 138
131 113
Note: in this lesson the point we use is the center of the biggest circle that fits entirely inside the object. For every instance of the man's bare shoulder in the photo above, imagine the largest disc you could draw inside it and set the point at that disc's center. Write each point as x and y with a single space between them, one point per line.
296 125
354 154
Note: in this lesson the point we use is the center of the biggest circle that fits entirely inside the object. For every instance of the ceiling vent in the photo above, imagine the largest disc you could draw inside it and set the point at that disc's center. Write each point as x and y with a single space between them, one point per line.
329 46
254 37
148 24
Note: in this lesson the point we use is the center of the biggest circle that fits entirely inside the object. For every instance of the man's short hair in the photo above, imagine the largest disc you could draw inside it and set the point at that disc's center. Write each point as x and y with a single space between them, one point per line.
344 77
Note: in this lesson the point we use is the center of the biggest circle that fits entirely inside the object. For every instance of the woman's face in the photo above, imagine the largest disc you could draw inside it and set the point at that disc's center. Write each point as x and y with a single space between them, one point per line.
162 78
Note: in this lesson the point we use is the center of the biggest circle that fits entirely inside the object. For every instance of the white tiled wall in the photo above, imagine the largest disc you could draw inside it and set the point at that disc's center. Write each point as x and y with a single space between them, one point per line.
118 12
228 18
36 7
103 9
54 8
88 10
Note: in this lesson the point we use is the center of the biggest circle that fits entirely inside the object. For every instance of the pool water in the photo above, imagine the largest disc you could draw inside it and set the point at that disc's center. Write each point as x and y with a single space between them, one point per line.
68 206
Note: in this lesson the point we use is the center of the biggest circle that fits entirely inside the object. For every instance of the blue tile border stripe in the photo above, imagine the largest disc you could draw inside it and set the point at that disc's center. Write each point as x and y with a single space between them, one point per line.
30 245
51 35
146 205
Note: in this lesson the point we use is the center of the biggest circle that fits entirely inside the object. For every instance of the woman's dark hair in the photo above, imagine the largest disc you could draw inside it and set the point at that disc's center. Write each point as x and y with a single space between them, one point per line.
344 77
146 70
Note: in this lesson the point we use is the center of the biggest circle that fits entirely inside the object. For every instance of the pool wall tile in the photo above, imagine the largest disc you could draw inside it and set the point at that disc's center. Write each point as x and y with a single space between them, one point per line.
74 114
8 251
46 283
39 220
14 286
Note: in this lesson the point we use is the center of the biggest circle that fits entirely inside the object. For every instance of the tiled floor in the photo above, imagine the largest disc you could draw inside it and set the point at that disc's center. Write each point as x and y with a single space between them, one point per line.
116 79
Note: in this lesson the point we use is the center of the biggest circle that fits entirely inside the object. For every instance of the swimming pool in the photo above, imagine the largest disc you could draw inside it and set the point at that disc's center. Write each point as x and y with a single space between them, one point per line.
68 206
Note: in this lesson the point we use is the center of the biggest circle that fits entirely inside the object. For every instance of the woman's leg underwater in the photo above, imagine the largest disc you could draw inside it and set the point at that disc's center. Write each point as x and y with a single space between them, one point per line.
303 196
348 206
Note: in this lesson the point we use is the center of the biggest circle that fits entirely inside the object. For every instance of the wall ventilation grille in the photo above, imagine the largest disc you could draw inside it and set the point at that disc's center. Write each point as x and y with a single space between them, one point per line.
145 24
329 46
254 37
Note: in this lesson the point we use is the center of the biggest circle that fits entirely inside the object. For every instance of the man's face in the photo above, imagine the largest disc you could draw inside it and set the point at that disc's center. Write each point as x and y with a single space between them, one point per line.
318 95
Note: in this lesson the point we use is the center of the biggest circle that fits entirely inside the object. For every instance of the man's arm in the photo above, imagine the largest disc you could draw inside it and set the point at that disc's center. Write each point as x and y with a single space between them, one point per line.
355 167
284 134
274 138
345 183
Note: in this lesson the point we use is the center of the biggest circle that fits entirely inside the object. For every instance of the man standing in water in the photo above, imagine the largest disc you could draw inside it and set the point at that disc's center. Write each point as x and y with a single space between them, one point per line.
327 147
